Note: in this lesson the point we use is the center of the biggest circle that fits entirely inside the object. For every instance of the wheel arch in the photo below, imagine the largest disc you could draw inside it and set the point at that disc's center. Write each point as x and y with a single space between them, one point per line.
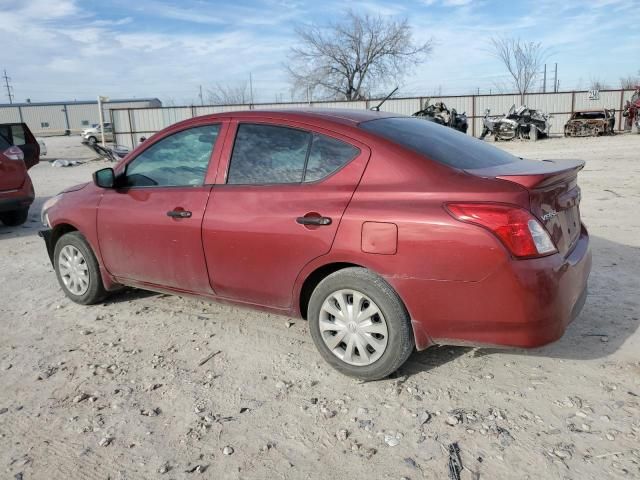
314 278
56 233
63 228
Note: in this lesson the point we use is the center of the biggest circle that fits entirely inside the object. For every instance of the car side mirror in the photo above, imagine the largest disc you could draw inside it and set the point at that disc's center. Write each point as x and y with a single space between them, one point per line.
104 178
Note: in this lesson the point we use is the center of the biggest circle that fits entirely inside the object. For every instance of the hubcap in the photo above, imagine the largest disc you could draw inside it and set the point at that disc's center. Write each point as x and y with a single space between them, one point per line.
353 328
73 270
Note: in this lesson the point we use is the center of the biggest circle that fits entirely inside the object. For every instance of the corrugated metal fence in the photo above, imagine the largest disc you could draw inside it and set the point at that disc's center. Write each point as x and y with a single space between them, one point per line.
132 123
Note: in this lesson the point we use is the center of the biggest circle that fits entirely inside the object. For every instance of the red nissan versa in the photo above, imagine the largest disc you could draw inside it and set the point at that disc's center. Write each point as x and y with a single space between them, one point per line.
19 151
385 232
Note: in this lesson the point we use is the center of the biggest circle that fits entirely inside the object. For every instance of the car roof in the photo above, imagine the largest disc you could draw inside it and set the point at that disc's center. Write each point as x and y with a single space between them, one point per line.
343 116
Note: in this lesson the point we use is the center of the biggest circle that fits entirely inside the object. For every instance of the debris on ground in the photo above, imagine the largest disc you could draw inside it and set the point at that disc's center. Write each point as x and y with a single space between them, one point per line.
455 463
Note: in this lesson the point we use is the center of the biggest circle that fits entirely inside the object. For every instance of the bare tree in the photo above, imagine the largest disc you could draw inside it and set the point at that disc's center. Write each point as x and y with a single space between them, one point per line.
522 59
236 94
629 82
597 84
350 59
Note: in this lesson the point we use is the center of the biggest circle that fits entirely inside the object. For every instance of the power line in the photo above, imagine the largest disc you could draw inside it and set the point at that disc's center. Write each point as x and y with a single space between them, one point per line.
9 87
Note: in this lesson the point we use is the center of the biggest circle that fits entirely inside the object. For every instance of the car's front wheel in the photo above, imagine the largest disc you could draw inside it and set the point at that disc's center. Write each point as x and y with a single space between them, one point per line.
77 269
92 140
14 217
359 324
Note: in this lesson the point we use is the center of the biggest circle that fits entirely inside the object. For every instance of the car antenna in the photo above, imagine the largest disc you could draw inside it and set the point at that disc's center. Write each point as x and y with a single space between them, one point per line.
377 107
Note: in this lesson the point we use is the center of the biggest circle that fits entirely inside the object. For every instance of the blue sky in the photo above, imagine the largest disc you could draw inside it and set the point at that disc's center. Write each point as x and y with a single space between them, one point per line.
72 49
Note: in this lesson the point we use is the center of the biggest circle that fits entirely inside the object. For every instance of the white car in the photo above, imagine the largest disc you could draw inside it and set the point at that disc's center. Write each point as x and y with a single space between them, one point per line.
92 135
91 129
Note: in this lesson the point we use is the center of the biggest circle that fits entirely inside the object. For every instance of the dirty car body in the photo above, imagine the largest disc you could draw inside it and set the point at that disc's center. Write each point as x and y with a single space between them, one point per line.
590 123
471 244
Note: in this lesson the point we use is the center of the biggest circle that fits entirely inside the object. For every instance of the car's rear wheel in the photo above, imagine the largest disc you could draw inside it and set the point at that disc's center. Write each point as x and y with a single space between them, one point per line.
77 269
14 217
359 324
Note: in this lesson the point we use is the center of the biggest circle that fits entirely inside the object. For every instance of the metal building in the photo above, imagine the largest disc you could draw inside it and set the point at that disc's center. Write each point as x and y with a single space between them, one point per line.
55 118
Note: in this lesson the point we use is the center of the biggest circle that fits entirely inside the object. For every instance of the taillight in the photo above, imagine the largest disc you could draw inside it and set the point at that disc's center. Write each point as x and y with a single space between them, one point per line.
516 227
14 153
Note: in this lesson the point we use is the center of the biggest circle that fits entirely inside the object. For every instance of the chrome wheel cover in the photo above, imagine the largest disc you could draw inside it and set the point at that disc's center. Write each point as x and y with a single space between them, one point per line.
74 270
353 327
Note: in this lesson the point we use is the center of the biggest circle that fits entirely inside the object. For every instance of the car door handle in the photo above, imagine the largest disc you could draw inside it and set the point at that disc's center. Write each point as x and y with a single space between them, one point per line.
313 220
179 213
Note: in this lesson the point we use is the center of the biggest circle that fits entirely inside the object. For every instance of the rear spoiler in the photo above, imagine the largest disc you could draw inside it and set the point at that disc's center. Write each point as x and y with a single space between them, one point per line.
532 173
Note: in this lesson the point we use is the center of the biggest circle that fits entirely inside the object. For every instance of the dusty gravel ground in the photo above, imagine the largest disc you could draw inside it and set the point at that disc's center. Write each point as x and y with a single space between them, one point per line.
115 391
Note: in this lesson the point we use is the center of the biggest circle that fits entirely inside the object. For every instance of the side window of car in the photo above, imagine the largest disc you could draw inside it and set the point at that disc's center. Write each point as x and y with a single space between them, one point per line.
326 156
5 137
267 154
180 159
19 137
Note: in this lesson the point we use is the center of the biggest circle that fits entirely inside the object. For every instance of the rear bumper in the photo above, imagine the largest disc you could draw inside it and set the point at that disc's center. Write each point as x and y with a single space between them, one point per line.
16 203
525 303
17 199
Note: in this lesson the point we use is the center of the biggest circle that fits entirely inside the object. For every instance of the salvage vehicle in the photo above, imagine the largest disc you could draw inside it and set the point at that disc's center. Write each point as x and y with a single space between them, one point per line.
386 232
590 123
439 113
19 151
522 122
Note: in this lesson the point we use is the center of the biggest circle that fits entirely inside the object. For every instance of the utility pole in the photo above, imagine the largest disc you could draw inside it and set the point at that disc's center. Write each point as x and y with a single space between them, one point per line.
101 100
555 79
8 87
200 95
544 80
251 87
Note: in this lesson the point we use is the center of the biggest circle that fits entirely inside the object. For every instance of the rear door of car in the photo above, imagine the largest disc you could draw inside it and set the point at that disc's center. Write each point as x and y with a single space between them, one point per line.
13 172
276 206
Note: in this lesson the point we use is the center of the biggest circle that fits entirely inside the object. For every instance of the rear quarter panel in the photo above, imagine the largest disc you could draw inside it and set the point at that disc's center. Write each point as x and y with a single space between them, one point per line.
433 249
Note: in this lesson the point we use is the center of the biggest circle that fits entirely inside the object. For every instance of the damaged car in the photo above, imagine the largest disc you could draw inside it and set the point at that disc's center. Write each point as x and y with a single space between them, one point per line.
590 123
440 114
522 122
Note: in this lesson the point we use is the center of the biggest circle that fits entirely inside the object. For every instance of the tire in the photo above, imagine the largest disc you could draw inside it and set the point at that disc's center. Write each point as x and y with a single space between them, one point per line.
15 217
92 140
83 267
391 324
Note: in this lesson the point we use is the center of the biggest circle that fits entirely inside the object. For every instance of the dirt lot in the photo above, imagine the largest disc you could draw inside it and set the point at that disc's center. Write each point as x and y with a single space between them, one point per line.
115 391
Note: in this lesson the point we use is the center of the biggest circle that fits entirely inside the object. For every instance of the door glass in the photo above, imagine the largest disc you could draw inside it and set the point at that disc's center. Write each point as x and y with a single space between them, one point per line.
19 137
268 154
5 138
178 160
326 156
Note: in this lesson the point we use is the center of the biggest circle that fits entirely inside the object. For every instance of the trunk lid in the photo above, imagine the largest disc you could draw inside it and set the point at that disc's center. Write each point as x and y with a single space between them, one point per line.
554 195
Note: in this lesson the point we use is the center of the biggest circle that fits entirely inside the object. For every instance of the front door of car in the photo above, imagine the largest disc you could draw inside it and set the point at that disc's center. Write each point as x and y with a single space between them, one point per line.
149 227
277 208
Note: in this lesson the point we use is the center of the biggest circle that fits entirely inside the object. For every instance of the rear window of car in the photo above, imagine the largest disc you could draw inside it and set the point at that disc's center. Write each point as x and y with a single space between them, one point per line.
441 144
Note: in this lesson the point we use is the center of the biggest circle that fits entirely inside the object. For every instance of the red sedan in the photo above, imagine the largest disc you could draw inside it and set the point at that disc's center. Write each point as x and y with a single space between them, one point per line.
387 233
